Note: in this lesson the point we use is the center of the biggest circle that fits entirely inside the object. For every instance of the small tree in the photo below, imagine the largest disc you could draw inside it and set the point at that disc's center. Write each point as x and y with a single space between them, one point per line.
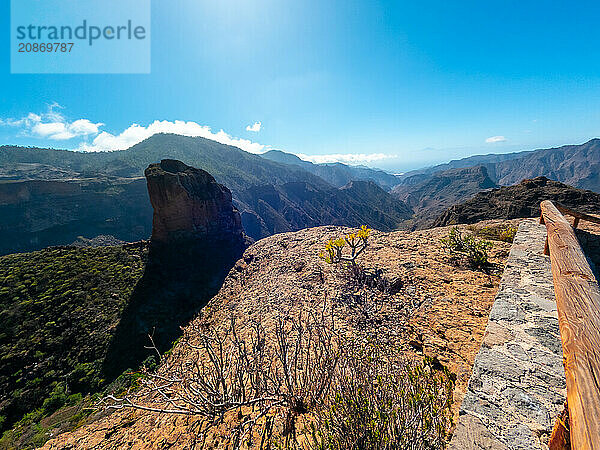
357 242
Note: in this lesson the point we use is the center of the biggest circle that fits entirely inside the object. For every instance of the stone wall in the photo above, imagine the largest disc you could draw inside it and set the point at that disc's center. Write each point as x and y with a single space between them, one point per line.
517 389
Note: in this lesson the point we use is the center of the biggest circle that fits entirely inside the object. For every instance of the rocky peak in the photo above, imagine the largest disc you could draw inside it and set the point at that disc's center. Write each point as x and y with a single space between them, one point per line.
520 200
534 182
197 237
189 203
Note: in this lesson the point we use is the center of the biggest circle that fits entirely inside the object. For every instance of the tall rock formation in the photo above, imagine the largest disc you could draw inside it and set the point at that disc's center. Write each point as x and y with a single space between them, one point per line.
197 237
189 204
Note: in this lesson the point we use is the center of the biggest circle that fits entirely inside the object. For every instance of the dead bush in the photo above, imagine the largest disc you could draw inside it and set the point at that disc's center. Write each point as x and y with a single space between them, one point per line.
382 401
260 384
248 371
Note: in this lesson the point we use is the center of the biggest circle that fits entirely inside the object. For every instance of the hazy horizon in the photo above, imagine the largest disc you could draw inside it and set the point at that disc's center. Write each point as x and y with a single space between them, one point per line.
386 84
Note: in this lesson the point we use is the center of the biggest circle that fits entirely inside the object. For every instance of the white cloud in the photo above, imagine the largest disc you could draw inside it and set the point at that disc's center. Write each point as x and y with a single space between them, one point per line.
52 125
136 133
494 139
84 126
346 158
254 127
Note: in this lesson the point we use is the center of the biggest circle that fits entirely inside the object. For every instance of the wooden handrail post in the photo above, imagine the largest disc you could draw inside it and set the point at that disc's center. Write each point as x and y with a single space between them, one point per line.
577 215
560 438
578 305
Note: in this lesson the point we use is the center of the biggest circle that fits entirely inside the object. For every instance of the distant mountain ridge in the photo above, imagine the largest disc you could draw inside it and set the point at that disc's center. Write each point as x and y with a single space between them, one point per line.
431 194
576 165
99 193
521 200
336 174
308 200
296 205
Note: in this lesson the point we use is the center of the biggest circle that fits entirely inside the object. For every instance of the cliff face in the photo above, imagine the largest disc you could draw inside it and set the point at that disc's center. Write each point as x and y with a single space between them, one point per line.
36 214
197 237
188 203
521 200
575 165
430 196
123 212
297 205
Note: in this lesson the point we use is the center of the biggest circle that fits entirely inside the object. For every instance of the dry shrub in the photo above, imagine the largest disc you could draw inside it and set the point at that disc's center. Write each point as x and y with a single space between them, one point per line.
500 232
247 370
383 401
260 384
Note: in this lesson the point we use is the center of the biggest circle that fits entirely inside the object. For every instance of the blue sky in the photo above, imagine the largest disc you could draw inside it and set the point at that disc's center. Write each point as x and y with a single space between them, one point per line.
396 84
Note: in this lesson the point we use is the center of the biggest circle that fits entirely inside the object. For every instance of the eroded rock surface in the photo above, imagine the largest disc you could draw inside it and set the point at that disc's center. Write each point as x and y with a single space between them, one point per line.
188 204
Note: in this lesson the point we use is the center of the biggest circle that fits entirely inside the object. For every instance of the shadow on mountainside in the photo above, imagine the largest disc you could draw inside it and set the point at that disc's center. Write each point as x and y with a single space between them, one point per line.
178 281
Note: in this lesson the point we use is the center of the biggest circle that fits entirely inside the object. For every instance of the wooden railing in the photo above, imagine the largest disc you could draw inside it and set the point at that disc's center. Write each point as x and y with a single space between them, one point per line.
578 304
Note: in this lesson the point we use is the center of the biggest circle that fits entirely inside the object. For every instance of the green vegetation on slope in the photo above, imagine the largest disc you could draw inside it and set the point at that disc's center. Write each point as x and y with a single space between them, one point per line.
59 309
229 165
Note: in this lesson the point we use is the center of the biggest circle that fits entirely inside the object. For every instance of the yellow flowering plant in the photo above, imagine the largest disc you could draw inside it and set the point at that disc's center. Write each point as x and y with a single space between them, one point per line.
357 242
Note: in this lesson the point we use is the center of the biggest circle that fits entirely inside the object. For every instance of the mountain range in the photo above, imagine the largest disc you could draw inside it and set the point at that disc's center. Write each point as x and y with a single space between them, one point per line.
520 200
576 165
119 294
55 197
440 190
336 174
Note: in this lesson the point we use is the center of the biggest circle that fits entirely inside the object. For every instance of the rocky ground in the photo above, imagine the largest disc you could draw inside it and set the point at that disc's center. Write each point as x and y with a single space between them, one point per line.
435 305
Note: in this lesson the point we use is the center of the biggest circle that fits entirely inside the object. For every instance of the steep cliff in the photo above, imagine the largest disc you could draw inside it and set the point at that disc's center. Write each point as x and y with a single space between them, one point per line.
197 237
74 319
37 213
189 204
521 200
119 207
293 206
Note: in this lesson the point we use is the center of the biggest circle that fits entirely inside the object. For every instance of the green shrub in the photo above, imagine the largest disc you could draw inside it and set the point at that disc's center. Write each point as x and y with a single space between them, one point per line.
508 234
57 399
384 402
476 250
73 399
58 310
